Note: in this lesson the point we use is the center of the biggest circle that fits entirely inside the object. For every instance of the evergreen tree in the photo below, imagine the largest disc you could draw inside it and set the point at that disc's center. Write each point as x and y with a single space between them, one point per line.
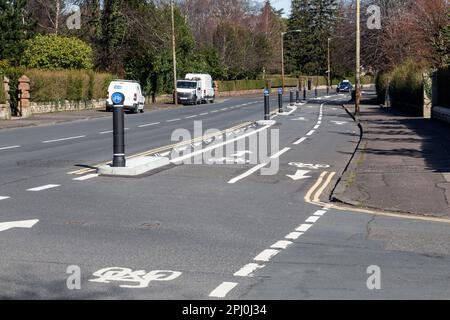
14 29
307 50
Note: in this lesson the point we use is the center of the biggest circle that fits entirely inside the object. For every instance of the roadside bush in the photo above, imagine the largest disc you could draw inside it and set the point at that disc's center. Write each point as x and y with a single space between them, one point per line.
406 87
74 85
53 52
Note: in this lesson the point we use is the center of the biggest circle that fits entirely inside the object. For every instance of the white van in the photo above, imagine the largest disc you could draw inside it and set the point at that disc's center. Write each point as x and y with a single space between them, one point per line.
206 92
134 97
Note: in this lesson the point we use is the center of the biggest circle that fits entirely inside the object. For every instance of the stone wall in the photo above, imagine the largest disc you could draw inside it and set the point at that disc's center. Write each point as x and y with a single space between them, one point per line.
5 108
51 107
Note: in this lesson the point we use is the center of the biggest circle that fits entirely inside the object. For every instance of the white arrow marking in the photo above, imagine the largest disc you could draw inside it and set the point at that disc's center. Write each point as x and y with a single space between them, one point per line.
299 175
27 224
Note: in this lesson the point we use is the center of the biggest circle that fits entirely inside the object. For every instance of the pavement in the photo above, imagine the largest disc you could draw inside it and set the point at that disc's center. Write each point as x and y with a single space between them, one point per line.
236 228
401 165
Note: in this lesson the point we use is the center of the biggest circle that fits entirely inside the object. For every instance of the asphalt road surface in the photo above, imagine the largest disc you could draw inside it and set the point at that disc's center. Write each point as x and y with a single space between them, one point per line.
202 230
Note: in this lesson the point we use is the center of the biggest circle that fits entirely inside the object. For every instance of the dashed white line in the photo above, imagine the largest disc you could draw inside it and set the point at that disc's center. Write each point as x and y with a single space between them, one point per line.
190 117
247 270
304 227
312 219
204 114
8 148
320 213
173 120
105 132
64 139
42 188
301 140
223 289
294 235
311 133
148 124
317 127
266 255
283 244
87 177
4 198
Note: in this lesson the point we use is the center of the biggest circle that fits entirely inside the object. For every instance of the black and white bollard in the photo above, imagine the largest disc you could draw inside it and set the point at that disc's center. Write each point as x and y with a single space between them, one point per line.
315 92
304 93
291 97
280 100
266 104
297 96
118 130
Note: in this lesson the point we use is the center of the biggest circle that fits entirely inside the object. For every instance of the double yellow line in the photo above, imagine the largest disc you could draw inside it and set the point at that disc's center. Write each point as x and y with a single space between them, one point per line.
314 193
164 148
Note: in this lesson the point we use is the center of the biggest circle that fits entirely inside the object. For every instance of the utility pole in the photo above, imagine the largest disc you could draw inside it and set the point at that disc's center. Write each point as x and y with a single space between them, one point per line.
282 59
358 58
174 55
329 67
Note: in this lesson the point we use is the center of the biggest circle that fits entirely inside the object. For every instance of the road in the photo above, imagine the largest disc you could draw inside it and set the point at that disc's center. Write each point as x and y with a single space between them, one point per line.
205 231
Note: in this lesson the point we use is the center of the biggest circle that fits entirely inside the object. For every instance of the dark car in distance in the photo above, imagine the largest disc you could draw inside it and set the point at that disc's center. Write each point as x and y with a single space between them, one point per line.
344 86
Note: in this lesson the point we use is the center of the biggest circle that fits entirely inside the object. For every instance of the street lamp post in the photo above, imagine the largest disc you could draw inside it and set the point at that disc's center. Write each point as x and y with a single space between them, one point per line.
282 55
174 56
358 58
329 67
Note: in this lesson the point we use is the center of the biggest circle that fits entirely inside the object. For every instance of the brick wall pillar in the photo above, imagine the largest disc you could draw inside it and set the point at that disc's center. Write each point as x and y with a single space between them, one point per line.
216 88
5 109
427 96
24 97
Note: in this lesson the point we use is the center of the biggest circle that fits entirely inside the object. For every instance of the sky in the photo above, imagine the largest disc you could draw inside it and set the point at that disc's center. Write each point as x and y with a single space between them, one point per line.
282 4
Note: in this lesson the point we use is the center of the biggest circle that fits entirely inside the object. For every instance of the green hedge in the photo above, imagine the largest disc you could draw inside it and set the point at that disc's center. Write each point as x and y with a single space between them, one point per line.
240 85
74 85
443 78
406 85
381 84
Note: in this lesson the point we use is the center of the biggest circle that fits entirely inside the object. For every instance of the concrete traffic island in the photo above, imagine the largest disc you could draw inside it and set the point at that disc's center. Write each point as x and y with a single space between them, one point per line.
134 167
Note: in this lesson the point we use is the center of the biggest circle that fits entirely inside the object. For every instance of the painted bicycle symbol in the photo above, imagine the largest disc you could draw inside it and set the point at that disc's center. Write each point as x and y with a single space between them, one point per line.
309 165
140 277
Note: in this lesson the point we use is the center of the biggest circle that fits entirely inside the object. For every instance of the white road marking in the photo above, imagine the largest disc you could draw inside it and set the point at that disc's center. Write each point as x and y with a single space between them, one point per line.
148 125
105 132
266 255
312 219
173 120
320 213
204 114
283 244
300 141
42 188
299 175
4 198
8 148
190 155
311 133
294 235
87 177
64 139
280 153
190 117
223 109
247 173
223 289
27 224
317 127
214 111
247 270
304 227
